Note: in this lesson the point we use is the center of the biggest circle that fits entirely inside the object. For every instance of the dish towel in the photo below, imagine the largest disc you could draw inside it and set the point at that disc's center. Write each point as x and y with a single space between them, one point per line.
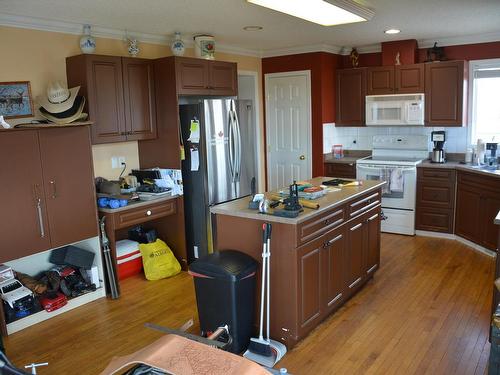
385 175
397 181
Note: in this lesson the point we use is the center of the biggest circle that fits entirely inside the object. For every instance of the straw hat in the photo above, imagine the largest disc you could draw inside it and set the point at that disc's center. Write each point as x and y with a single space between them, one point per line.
72 114
59 98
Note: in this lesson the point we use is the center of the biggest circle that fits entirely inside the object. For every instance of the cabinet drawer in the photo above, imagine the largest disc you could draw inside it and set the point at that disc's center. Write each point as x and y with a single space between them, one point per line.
364 203
320 224
145 213
437 196
436 174
435 219
342 170
482 182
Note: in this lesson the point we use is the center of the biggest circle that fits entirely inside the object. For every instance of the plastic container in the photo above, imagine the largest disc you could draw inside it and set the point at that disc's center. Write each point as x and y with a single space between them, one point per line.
337 151
204 46
225 294
128 258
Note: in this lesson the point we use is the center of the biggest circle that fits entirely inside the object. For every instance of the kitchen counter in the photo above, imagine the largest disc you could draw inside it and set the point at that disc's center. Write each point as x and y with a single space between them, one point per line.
240 208
458 165
350 157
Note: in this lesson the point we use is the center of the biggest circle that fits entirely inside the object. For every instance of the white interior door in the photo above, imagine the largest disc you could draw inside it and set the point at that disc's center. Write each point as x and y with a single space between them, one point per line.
288 128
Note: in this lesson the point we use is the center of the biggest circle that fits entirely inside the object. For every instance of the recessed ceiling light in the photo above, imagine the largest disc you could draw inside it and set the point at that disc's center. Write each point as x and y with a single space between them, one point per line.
392 31
253 28
323 12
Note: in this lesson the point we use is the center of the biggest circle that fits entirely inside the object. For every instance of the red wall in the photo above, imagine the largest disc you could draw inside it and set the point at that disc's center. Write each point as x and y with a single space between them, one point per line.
323 68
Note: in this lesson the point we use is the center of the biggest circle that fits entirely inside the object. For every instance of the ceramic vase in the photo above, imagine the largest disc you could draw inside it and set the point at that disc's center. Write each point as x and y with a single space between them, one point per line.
133 47
87 41
177 46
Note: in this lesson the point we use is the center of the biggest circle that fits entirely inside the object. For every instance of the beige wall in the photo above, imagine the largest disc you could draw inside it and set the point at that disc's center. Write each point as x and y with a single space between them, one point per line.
39 57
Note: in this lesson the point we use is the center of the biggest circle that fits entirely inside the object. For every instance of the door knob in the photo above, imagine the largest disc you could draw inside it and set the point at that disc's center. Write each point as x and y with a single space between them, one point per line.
302 157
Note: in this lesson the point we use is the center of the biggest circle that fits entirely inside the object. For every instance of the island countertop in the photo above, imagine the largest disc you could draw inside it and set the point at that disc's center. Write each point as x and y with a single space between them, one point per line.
239 207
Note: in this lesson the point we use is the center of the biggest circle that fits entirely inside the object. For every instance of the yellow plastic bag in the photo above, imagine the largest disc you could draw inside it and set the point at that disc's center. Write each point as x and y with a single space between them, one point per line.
158 260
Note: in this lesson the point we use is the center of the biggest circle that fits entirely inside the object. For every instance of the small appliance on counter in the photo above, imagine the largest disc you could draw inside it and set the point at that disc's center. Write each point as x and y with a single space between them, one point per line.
438 137
490 157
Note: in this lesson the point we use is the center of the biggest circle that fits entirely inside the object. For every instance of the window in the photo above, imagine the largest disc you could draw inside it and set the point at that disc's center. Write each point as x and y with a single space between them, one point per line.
485 113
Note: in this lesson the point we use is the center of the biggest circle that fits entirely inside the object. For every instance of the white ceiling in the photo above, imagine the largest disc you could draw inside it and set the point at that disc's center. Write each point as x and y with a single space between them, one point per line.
424 20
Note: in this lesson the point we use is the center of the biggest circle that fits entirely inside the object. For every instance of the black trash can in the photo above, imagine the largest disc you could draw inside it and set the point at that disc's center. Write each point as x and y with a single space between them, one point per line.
225 294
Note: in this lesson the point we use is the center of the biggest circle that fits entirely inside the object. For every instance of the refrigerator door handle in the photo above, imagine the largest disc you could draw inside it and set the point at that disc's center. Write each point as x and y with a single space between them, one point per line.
238 146
231 146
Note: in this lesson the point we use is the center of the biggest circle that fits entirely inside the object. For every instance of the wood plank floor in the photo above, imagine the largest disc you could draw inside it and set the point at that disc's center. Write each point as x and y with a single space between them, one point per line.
426 312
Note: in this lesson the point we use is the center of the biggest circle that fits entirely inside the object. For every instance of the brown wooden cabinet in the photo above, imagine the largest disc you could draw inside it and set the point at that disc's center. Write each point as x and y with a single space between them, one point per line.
356 240
51 200
205 77
399 79
446 93
478 202
351 92
119 93
435 199
333 262
341 170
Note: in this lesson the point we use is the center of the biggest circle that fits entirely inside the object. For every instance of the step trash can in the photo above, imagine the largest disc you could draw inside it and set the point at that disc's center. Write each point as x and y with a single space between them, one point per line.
225 294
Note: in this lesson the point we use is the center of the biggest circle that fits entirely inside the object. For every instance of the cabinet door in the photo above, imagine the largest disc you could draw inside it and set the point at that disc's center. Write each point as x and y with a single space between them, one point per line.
355 248
333 264
69 184
409 79
373 243
24 229
309 282
223 78
138 88
351 91
192 76
468 215
105 98
444 93
490 206
380 80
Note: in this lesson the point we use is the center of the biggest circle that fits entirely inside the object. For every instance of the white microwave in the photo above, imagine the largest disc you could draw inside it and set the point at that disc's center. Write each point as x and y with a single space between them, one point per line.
401 109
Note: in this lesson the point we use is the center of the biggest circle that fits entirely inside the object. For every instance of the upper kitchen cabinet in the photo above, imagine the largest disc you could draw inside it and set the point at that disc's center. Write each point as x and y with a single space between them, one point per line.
351 91
119 93
446 93
399 79
205 77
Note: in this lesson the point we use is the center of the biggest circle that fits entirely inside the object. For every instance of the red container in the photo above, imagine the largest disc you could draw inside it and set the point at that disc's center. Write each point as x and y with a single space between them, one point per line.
128 258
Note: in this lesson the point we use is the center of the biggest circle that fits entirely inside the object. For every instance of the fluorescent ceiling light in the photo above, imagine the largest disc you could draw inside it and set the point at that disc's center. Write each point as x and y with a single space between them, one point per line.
392 31
323 12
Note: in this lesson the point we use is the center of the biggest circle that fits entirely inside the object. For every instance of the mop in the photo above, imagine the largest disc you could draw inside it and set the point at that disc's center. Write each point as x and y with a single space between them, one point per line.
265 352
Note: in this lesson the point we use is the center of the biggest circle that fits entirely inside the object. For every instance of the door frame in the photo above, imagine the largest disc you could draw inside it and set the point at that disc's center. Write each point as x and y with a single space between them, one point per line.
259 127
267 77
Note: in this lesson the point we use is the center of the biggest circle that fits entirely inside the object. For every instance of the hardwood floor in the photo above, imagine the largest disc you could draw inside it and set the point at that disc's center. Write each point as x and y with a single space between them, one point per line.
426 312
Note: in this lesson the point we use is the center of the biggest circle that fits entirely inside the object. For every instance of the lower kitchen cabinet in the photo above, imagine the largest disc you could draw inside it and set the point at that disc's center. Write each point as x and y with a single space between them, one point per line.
373 243
356 240
478 202
332 260
340 170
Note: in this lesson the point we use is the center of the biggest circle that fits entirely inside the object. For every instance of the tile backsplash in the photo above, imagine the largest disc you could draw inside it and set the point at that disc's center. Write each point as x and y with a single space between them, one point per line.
361 138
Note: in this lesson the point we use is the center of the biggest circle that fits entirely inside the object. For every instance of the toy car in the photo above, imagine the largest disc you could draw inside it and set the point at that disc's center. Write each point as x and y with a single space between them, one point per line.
53 300
19 298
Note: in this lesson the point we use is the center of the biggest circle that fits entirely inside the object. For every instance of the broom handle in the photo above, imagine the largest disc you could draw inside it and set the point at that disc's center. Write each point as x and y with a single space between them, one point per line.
268 276
261 326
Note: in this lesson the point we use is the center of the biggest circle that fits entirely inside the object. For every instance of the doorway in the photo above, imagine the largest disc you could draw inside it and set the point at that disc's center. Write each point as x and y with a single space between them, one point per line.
288 128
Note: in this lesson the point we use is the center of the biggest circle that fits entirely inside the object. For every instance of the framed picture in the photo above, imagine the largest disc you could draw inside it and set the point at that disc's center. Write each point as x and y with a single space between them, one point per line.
15 99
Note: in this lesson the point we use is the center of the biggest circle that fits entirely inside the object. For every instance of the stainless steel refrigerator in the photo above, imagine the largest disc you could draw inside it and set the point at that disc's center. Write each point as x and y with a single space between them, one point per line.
220 162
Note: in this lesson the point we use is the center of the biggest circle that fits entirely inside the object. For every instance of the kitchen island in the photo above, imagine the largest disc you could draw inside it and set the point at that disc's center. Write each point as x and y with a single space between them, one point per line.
318 260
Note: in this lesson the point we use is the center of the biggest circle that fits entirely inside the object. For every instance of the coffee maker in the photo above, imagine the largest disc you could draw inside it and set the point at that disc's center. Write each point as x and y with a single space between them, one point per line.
438 137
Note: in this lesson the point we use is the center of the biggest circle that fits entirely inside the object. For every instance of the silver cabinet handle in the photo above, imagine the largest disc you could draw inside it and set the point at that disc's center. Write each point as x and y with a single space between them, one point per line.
330 242
373 217
40 217
54 189
356 226
355 282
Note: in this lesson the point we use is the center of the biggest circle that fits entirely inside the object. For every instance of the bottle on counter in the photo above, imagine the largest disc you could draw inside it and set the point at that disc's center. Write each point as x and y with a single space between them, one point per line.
468 155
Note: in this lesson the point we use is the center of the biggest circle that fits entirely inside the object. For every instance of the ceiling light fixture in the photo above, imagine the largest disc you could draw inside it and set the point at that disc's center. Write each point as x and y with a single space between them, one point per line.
253 28
392 31
323 12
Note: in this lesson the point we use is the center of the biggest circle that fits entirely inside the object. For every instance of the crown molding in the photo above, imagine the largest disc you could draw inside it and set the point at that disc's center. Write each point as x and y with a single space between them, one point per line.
459 40
35 23
301 49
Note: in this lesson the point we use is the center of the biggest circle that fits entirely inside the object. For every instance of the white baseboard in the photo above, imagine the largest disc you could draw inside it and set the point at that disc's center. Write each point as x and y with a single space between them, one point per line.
450 236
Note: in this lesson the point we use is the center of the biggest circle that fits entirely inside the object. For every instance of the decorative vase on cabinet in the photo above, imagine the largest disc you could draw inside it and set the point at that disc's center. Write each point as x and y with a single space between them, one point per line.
177 46
87 41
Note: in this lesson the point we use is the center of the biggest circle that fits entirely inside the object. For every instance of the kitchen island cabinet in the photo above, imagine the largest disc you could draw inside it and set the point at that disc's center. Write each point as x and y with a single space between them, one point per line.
319 259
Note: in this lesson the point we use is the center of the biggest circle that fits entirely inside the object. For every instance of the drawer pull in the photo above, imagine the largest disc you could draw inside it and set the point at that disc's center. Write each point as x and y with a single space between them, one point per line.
365 208
356 227
148 213
364 200
339 296
355 282
330 242
373 217
372 268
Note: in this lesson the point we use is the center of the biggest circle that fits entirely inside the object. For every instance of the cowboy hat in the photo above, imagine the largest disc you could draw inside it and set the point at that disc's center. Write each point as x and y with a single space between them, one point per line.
59 98
72 114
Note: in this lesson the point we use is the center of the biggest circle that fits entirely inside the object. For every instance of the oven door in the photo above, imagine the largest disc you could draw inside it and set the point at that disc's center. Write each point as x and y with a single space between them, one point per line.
404 199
